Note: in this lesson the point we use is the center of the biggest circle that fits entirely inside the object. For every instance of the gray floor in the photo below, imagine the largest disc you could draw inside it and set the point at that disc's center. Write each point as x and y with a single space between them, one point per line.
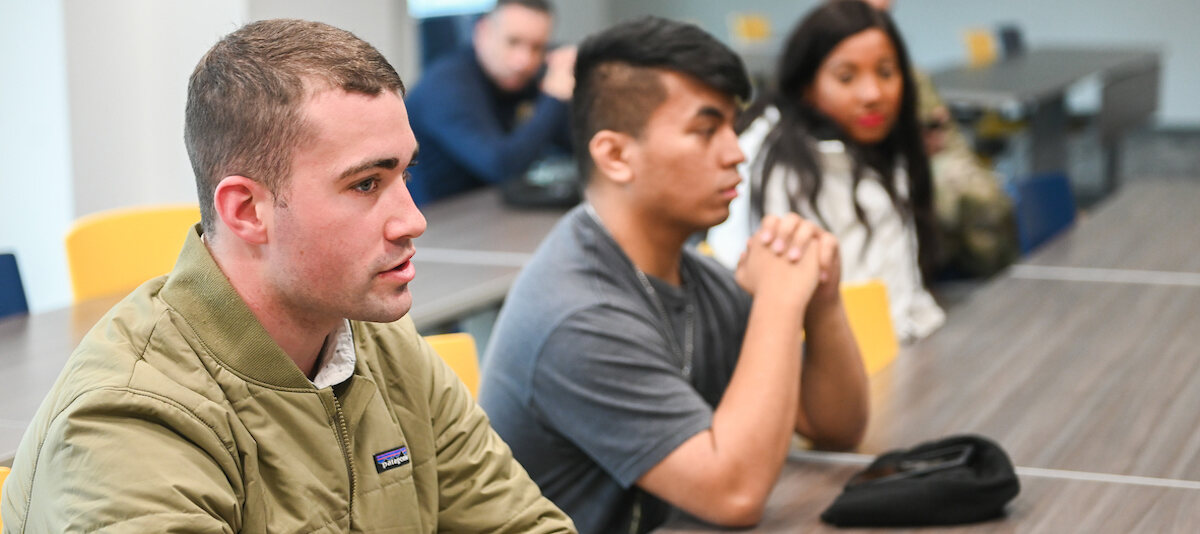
1162 153
1147 154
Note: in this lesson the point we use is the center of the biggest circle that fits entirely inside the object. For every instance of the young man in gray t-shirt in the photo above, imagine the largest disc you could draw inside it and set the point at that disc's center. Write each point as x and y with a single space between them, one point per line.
629 374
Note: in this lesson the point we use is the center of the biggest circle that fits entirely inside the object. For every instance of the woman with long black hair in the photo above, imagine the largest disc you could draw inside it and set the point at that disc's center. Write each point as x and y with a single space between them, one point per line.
837 141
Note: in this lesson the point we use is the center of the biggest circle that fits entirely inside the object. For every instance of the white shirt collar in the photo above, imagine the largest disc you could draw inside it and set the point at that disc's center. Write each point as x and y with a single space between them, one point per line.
337 358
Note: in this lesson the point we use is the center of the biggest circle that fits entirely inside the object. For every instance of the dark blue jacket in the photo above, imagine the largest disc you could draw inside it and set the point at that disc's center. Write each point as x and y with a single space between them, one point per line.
473 133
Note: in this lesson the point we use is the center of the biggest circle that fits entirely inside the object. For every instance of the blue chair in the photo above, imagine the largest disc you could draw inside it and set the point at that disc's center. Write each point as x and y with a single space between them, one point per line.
1044 206
12 293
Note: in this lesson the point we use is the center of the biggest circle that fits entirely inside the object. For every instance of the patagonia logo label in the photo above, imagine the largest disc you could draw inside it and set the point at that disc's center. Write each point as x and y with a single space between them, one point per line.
391 459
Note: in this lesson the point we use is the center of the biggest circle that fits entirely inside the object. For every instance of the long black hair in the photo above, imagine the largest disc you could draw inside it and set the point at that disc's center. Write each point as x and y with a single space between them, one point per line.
790 142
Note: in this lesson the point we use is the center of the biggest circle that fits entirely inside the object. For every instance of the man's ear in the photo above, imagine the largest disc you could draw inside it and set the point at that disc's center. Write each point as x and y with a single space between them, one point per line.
612 152
244 208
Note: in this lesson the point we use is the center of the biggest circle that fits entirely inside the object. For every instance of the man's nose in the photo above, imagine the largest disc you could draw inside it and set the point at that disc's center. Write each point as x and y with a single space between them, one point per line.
524 58
732 153
405 220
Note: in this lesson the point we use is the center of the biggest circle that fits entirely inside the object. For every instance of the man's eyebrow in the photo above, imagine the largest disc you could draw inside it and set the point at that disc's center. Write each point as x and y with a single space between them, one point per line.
413 160
386 163
711 112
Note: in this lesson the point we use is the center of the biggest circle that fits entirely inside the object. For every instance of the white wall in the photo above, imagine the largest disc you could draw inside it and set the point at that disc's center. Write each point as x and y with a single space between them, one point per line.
128 65
932 30
576 19
383 23
35 148
128 62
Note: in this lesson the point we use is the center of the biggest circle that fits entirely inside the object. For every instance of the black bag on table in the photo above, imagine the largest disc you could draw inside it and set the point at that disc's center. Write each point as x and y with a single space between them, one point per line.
958 479
551 182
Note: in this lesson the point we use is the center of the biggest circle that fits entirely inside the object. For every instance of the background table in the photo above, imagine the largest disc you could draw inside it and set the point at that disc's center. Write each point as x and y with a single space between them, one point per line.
471 226
471 253
1036 83
1038 74
1089 384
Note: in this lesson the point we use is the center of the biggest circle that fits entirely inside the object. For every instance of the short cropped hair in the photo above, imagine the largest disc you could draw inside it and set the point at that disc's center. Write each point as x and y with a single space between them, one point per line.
617 84
246 96
543 6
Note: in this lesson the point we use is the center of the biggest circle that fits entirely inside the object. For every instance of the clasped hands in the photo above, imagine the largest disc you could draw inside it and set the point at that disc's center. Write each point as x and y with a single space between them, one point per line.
791 259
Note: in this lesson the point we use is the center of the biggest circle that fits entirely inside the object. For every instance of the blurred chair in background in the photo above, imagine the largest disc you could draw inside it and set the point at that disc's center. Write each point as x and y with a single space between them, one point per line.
3 475
444 35
1044 206
459 352
991 130
981 46
115 251
749 29
867 310
12 292
1012 40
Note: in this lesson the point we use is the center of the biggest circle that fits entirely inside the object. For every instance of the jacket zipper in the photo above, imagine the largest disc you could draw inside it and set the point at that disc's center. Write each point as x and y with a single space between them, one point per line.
344 441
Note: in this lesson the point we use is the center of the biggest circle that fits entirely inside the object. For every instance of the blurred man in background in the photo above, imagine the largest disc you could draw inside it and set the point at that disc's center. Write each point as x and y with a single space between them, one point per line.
488 112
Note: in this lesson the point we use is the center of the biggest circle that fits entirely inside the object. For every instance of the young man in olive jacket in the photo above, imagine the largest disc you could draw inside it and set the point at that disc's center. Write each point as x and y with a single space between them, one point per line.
271 382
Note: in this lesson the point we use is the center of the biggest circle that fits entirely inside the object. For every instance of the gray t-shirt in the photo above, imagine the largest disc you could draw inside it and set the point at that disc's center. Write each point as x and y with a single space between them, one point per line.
581 380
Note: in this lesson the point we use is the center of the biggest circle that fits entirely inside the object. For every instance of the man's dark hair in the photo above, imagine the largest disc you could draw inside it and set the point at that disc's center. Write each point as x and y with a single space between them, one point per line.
245 99
537 5
617 84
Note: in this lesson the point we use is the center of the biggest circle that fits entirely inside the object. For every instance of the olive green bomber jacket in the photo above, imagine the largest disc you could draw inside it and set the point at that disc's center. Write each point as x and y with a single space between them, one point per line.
178 413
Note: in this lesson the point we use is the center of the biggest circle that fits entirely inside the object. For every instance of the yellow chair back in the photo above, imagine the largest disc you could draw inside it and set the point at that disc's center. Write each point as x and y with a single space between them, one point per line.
871 321
750 28
117 250
459 352
981 47
3 475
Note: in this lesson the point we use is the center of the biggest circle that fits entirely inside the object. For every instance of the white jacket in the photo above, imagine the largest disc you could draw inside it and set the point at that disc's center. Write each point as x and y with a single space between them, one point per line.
891 253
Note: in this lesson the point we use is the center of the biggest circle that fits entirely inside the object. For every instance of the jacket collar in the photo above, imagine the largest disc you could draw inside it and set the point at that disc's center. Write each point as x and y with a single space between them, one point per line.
226 327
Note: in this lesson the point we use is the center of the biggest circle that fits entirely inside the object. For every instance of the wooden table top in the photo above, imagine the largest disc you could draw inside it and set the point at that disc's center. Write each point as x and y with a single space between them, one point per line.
1045 505
1065 375
471 253
479 221
1075 377
1147 225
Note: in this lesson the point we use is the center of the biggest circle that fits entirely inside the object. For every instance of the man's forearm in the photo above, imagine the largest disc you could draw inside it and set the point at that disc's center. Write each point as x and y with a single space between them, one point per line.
725 473
834 400
752 426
